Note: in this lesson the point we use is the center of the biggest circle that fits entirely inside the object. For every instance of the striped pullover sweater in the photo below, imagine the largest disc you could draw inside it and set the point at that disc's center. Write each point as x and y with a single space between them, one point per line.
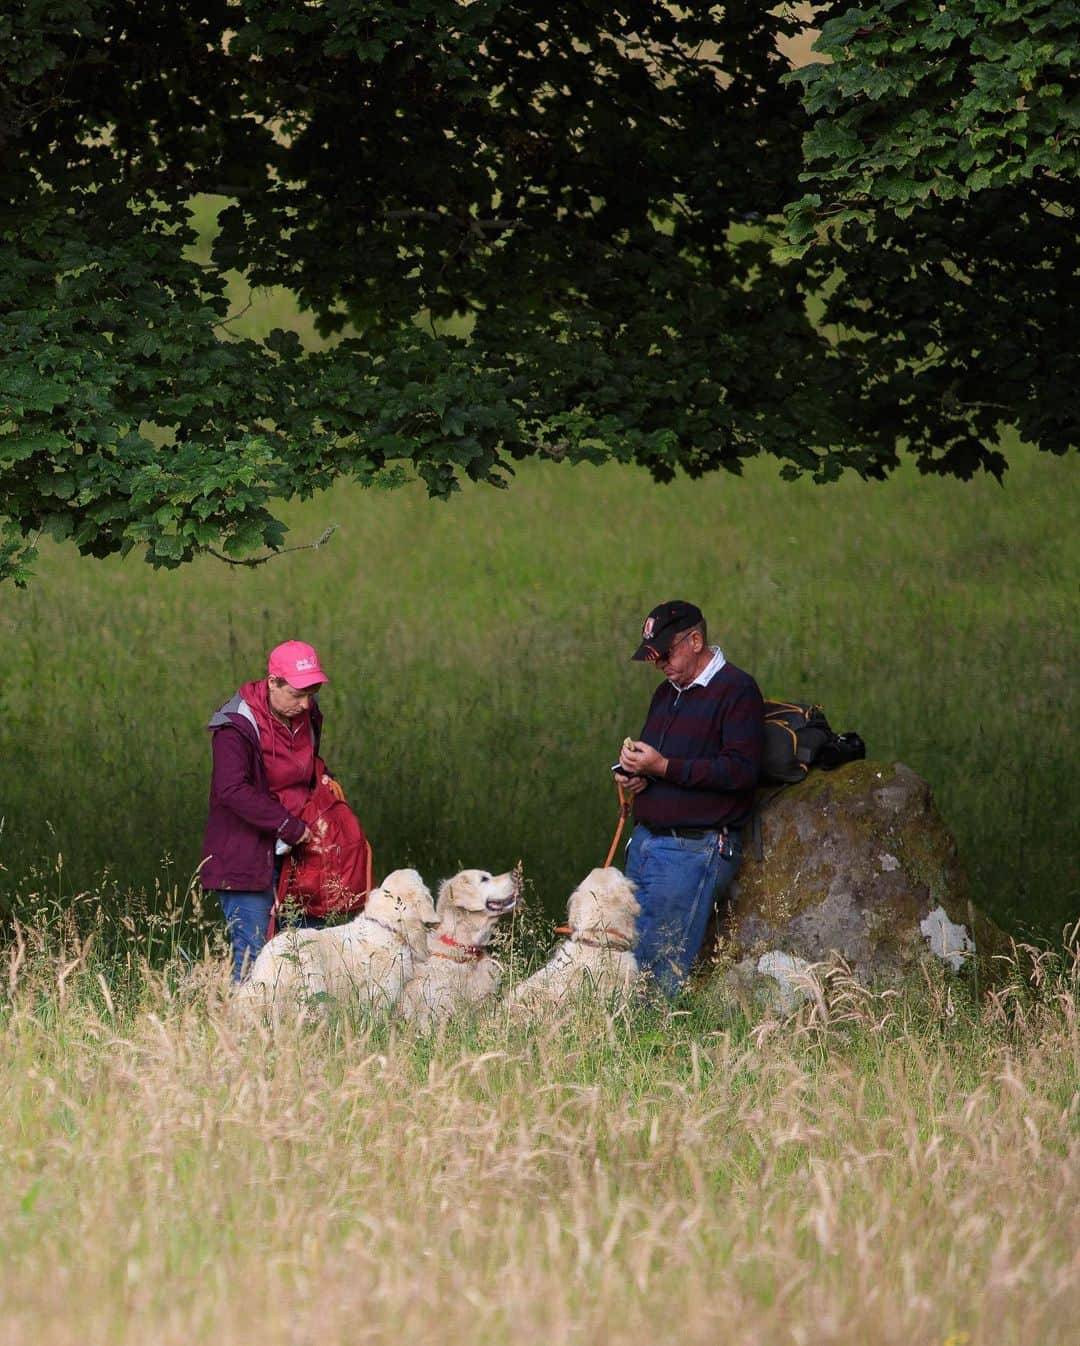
712 737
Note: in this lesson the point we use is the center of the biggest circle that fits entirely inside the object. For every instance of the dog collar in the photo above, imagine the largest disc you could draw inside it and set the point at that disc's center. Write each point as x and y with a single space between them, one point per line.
620 935
473 952
392 929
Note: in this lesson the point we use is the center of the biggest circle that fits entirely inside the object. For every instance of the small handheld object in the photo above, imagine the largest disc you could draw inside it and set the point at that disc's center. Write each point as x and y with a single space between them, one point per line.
627 742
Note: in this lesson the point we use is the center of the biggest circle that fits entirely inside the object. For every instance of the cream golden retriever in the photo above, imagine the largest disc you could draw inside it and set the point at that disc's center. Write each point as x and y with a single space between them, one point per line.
367 960
598 956
459 971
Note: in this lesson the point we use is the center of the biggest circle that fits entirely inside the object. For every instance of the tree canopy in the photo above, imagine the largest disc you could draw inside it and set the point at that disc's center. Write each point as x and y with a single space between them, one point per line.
943 157
524 230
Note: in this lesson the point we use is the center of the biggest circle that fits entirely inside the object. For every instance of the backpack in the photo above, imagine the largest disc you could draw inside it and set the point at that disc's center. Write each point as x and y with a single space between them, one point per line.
330 875
797 737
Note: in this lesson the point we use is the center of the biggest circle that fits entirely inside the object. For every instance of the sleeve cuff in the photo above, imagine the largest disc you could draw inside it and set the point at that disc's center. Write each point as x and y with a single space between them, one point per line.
291 830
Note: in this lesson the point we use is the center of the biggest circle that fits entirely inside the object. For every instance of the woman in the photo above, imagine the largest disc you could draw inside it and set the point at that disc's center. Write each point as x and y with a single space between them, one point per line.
265 745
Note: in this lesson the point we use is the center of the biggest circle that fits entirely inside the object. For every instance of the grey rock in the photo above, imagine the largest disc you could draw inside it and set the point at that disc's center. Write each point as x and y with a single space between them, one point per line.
857 862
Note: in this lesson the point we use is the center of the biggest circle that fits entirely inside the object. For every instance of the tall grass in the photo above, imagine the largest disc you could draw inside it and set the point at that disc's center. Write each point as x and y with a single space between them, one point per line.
481 680
900 1171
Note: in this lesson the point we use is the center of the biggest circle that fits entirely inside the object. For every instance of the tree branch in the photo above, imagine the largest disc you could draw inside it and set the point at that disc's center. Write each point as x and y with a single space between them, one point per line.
443 216
325 537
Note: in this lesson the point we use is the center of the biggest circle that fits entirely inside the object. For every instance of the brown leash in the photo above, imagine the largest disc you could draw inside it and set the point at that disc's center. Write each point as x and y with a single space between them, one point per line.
625 801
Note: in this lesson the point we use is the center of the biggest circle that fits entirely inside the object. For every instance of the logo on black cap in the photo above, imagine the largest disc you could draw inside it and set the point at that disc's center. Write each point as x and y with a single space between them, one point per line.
662 625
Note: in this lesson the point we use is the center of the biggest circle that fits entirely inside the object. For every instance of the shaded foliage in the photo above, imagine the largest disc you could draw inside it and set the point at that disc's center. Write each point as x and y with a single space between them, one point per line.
943 160
528 230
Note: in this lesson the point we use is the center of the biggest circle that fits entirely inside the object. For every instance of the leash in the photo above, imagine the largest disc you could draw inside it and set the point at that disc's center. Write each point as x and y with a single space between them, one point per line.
281 894
625 801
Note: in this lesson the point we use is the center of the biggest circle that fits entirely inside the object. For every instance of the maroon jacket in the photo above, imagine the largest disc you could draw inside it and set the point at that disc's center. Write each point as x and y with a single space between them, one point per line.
245 820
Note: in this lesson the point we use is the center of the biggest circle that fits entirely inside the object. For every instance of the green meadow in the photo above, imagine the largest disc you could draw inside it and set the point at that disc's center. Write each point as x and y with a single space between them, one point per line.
481 681
888 1168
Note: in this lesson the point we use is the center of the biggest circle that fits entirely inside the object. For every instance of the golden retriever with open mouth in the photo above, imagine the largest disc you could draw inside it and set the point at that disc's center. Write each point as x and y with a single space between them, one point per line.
367 960
459 971
598 956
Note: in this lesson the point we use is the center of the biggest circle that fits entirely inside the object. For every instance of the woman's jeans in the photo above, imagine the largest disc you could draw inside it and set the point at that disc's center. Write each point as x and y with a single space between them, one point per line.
678 880
247 917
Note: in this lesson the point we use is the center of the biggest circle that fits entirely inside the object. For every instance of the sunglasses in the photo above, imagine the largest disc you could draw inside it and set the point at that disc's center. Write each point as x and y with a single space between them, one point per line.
655 657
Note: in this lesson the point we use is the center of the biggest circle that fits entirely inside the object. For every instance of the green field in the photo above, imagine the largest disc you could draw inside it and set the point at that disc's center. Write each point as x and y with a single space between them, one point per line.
481 680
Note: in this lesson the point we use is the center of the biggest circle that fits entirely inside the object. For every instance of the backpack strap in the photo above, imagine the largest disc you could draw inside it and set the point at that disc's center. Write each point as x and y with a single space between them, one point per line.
755 819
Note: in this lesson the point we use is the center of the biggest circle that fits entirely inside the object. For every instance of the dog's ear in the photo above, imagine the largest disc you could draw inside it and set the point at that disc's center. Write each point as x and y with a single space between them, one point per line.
446 895
577 908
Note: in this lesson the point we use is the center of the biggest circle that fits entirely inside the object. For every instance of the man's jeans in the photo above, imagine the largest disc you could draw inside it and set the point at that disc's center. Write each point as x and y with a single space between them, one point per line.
678 879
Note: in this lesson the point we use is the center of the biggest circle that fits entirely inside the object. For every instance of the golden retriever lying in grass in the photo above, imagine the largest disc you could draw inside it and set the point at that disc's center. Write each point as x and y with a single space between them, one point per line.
366 961
458 970
597 958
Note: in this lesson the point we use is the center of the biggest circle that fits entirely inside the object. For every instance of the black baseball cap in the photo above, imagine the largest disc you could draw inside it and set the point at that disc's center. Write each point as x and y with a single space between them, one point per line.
662 625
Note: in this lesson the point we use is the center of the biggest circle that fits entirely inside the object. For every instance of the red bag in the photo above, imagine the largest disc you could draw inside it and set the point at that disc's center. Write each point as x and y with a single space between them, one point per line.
330 874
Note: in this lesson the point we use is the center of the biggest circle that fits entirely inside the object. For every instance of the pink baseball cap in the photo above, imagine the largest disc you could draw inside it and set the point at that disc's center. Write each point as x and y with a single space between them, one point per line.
297 663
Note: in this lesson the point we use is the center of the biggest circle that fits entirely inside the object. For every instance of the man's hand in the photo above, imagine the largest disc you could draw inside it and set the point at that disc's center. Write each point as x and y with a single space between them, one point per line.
642 760
631 785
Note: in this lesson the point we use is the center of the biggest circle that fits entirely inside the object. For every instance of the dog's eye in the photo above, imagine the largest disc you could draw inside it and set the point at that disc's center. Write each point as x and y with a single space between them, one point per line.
485 878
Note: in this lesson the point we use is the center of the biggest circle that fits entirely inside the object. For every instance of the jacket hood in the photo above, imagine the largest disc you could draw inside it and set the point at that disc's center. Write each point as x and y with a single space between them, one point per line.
237 713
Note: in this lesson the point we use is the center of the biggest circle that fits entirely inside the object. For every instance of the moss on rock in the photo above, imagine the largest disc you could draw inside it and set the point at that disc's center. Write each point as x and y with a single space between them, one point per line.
853 861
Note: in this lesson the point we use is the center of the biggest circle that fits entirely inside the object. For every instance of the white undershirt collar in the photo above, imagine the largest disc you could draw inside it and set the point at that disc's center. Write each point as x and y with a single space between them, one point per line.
715 664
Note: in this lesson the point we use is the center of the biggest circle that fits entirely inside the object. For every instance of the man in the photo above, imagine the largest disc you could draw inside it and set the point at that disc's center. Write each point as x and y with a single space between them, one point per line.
692 774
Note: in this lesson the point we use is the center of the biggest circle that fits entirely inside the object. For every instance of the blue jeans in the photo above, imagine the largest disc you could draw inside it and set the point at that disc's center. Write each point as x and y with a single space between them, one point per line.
678 880
246 917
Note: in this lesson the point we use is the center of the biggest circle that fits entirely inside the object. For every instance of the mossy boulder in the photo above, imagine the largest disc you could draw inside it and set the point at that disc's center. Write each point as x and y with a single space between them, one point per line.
857 862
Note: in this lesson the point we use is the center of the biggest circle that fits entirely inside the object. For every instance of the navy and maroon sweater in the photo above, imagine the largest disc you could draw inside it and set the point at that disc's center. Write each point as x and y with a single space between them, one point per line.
712 737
